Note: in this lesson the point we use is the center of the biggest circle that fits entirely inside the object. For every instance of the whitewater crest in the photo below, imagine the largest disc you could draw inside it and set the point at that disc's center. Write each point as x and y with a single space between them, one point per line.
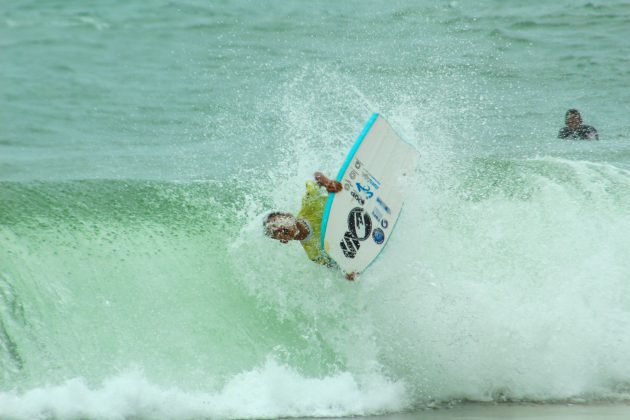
273 390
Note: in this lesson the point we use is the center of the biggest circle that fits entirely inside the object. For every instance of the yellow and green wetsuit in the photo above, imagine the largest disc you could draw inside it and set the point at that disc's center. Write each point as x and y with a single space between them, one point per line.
313 204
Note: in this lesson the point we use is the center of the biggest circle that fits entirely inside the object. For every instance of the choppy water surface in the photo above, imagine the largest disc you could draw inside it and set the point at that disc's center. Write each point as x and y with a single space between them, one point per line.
141 143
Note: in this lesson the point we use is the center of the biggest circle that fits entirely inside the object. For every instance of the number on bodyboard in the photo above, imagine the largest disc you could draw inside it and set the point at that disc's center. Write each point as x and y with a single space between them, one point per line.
366 190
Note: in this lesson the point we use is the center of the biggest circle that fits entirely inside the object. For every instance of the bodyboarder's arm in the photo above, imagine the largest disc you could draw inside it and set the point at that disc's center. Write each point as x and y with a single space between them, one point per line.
331 186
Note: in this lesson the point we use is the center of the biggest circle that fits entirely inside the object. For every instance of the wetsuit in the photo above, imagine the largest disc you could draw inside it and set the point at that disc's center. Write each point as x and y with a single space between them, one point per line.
583 132
313 203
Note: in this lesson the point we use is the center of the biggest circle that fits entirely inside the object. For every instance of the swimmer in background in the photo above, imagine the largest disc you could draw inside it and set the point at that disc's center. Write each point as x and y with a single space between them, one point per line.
575 130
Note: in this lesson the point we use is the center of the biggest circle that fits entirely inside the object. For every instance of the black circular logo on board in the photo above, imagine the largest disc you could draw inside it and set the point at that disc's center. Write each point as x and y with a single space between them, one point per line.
359 224
359 229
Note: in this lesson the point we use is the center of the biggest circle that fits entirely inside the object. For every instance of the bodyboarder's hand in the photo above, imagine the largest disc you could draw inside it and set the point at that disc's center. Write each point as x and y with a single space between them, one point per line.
330 185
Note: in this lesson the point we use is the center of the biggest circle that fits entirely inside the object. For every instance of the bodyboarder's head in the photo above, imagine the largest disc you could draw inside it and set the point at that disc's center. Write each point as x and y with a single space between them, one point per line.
281 226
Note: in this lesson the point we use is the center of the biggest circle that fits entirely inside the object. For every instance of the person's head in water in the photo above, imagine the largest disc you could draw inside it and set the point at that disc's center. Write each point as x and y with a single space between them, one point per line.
573 119
575 129
283 227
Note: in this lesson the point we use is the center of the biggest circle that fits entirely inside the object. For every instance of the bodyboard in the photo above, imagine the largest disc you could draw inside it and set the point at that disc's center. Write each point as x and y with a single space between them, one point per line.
358 221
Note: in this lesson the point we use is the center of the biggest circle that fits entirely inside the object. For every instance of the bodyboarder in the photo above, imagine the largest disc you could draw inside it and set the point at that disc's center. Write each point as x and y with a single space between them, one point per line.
306 226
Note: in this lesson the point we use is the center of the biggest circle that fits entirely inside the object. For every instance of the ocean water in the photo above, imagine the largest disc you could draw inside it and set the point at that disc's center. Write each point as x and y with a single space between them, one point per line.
141 142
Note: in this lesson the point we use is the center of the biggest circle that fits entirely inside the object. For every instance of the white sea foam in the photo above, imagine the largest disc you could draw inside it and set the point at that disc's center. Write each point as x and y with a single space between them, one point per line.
517 294
271 391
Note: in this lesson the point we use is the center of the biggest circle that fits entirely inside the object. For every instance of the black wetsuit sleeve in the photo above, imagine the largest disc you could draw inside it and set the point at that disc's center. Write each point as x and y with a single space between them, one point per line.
589 132
564 133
